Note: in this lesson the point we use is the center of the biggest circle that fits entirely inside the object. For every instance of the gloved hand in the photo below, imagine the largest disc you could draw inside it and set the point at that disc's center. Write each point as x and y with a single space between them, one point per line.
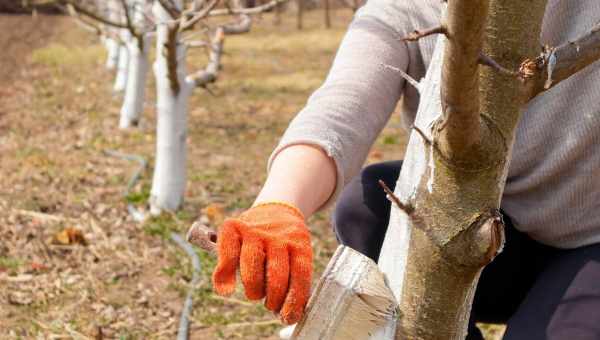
269 237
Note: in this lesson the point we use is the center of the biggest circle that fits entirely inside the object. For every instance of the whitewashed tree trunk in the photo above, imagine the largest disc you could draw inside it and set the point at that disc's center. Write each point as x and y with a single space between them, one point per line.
112 47
122 66
133 103
394 252
137 47
172 92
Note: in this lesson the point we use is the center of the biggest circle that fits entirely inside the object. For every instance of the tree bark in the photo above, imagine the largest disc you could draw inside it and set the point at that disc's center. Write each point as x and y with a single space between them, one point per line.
123 64
434 254
112 59
300 14
327 14
135 91
172 92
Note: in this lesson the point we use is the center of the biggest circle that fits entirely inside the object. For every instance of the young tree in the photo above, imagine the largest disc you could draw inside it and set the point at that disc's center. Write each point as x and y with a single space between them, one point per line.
445 225
137 43
174 85
126 29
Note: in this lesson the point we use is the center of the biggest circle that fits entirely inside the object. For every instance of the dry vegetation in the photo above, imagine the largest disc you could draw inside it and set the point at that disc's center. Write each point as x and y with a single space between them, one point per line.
120 279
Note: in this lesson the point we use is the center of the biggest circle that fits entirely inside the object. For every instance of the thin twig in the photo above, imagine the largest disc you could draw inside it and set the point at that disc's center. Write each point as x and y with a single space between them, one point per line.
423 135
404 75
490 62
408 209
418 34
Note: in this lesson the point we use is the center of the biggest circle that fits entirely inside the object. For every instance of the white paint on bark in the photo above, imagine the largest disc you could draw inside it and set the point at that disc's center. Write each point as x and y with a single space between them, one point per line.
112 59
112 45
137 47
122 66
168 183
394 252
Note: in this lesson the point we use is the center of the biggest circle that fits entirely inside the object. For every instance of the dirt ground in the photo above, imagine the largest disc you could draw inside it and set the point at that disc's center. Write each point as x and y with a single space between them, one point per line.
73 263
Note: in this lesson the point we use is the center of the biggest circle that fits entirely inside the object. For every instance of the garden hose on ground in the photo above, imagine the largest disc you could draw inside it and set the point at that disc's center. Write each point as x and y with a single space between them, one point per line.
140 216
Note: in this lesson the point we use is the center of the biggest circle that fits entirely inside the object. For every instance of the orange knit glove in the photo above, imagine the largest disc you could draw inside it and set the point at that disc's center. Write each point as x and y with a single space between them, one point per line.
271 245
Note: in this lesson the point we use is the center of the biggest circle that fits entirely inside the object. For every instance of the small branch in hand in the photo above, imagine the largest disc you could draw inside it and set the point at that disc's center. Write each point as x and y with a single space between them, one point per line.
490 62
417 34
407 208
203 237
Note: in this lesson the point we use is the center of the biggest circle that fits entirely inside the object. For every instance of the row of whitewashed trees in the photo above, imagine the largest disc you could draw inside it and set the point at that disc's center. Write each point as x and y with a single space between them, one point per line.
127 28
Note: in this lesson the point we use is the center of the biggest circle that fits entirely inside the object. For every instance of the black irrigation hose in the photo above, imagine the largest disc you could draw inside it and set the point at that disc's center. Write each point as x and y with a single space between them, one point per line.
139 216
182 333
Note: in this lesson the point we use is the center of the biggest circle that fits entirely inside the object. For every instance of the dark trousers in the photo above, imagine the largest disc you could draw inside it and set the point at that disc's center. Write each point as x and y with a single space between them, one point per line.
540 292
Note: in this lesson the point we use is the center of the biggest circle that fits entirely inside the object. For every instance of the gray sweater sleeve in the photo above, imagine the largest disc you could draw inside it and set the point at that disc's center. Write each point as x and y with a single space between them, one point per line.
345 115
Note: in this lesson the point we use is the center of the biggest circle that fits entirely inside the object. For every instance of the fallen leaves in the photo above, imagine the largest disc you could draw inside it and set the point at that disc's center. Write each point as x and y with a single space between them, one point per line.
69 236
215 213
19 298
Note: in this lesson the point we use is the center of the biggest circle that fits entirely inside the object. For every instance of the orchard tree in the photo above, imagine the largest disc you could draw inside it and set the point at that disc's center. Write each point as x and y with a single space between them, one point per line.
126 29
174 85
174 24
445 225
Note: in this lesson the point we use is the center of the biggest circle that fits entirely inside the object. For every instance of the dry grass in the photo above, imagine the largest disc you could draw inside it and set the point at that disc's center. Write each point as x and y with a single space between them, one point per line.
56 118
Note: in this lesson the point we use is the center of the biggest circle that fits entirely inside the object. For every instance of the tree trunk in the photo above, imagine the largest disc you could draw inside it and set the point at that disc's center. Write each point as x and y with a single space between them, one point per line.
453 180
133 103
112 46
327 14
300 14
138 47
112 59
122 67
172 92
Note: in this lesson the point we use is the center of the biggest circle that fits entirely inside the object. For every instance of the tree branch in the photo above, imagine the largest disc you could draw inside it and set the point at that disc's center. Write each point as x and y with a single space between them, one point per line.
211 72
490 62
404 75
418 34
128 20
92 14
248 11
196 17
170 8
460 78
559 63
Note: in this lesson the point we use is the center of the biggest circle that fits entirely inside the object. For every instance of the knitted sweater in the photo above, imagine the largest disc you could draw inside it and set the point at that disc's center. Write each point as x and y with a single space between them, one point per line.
551 192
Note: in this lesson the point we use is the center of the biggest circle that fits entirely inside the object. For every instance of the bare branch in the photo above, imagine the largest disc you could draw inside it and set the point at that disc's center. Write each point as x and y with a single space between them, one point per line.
90 26
189 24
128 20
170 7
460 78
197 44
392 197
490 62
210 73
557 64
404 75
248 11
418 34
243 25
92 14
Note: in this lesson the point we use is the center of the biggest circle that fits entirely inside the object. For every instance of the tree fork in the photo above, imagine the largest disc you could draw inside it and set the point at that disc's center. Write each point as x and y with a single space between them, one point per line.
460 131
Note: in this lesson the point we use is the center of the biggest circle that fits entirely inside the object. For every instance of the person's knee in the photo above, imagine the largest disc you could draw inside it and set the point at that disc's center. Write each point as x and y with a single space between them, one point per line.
362 211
